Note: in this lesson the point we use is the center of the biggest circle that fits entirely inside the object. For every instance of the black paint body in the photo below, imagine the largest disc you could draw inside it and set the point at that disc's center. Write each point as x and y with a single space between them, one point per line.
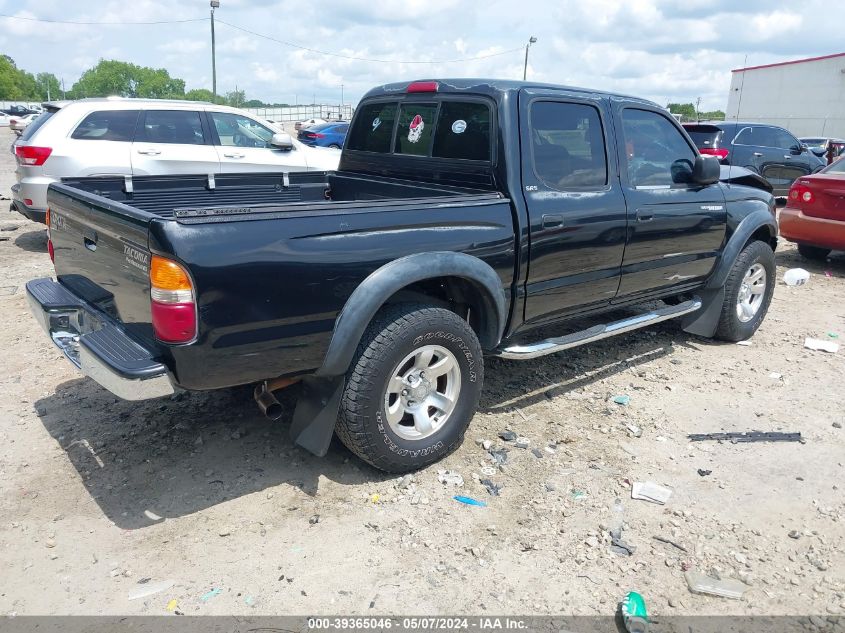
273 276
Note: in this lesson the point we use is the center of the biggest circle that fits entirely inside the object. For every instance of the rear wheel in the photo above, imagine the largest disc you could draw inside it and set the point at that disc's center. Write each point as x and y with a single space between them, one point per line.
334 146
748 292
413 388
813 252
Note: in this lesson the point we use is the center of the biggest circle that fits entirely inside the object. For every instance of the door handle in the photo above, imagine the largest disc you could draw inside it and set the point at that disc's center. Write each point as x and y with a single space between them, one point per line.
552 220
90 244
149 152
234 155
787 157
644 216
757 154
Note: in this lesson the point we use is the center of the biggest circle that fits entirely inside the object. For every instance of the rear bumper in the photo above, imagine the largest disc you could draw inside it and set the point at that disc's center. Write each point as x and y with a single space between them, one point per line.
795 226
96 344
31 213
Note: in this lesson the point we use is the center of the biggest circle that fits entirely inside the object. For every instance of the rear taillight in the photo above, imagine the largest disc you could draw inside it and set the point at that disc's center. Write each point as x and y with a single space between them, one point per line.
49 239
30 155
172 301
800 193
720 153
315 135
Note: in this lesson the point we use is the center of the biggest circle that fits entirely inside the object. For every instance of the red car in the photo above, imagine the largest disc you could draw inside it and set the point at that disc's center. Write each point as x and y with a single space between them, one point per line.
814 216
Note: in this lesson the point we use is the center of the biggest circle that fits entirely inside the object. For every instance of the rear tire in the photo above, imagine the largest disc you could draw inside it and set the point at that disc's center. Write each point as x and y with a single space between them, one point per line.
412 389
334 146
748 293
816 253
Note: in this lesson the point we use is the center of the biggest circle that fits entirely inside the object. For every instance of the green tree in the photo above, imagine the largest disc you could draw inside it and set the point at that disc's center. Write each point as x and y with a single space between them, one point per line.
687 110
253 103
236 98
16 84
48 86
204 94
112 77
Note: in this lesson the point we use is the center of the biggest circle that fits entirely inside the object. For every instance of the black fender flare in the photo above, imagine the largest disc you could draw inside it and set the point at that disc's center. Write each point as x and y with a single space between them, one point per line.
704 321
392 277
737 241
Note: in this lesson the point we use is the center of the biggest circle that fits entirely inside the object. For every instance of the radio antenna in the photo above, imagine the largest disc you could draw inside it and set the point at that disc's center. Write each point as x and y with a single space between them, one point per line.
738 106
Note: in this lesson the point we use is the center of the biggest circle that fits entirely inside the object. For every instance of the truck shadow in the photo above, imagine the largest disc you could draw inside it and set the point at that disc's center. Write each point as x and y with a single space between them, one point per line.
174 457
33 241
514 385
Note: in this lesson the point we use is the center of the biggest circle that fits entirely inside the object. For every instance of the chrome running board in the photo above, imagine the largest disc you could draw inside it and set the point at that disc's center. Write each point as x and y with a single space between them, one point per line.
598 332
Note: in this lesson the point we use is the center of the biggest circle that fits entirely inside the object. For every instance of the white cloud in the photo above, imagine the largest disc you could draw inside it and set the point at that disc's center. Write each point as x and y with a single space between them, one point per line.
665 50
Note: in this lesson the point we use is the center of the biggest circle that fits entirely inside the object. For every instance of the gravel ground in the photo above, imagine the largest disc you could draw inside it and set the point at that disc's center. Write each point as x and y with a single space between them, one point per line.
102 499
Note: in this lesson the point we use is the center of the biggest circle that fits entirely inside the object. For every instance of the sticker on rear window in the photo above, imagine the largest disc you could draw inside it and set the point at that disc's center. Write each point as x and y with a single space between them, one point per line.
376 123
416 128
459 126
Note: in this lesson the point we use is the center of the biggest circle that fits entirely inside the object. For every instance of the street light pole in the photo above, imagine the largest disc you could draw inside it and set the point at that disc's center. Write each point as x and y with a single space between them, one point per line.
341 102
531 40
214 5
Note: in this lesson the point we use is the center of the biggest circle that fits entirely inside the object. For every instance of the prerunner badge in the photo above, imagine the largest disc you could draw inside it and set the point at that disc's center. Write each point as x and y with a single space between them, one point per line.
416 128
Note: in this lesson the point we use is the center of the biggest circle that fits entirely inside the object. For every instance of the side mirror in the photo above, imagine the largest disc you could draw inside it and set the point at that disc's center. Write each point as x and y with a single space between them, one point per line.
706 170
795 150
282 141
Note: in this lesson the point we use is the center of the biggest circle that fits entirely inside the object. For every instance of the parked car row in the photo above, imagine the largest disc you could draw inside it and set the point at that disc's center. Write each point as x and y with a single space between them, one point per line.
768 150
134 137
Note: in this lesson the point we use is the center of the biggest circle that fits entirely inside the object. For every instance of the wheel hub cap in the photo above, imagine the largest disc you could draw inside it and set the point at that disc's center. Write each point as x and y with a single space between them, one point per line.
751 293
422 392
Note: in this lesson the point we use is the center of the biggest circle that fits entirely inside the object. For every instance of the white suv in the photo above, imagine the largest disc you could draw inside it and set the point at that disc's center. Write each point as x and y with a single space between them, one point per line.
126 137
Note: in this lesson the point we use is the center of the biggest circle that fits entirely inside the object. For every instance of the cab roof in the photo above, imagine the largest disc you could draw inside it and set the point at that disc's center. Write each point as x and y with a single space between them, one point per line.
493 88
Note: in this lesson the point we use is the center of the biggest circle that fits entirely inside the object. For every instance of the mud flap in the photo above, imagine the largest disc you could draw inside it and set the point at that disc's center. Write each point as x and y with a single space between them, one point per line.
704 321
316 413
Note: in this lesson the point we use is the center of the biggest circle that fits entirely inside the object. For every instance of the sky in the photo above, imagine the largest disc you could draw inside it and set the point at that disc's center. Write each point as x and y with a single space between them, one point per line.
664 50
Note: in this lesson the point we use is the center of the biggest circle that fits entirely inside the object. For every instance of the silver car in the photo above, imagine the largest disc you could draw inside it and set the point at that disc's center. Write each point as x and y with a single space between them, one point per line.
139 137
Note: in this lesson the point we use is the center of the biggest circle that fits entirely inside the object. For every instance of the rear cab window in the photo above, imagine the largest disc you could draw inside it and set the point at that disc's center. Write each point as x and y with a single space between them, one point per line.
444 128
107 125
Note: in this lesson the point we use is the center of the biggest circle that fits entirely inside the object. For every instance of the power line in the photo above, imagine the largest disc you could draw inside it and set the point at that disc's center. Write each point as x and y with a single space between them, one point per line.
364 59
86 23
266 37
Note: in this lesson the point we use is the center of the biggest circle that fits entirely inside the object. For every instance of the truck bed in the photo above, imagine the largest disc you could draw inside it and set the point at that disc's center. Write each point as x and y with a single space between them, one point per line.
233 195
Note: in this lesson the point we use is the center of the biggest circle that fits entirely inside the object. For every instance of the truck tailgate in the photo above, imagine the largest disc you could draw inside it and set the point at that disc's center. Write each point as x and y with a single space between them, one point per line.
101 255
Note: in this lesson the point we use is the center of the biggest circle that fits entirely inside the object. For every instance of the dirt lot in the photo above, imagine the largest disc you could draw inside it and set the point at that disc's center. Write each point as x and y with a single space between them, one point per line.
103 498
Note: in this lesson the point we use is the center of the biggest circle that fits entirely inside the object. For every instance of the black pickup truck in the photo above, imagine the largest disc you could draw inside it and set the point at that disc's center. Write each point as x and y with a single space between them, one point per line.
465 216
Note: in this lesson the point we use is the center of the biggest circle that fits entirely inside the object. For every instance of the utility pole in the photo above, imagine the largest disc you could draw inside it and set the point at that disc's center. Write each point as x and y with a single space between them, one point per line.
64 94
531 40
340 114
214 5
698 109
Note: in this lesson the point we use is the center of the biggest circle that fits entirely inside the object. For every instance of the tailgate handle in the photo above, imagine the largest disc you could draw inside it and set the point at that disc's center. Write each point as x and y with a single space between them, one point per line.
90 243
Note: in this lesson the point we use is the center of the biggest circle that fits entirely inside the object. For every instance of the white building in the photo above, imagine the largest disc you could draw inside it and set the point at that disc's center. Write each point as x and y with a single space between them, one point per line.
806 96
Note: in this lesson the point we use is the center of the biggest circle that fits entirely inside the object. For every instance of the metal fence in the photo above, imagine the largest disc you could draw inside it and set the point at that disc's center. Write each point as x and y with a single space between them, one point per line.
301 113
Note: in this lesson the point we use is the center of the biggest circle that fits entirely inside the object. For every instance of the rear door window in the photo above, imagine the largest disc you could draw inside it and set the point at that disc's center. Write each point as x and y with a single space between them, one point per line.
414 132
107 125
568 145
463 131
172 126
373 129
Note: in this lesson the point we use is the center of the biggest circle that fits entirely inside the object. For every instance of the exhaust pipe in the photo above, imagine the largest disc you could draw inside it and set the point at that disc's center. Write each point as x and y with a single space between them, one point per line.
270 407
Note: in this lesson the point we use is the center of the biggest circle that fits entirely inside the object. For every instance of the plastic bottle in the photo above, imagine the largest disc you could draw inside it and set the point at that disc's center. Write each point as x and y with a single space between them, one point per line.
617 518
634 613
796 277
